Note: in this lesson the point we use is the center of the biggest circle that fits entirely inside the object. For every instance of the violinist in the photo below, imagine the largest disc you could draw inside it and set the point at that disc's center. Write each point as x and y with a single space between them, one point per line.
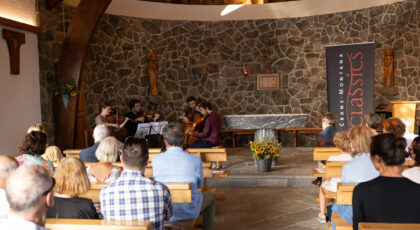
191 114
135 116
210 136
102 117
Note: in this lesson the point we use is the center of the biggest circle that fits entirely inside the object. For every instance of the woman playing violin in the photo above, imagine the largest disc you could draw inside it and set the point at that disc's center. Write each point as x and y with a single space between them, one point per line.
102 117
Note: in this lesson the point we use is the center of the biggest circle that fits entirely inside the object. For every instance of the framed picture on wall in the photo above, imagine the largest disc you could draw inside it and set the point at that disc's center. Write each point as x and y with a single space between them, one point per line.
268 82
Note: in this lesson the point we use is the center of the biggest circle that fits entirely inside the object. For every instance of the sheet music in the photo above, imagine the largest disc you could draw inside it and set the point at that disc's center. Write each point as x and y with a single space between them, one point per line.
144 129
157 127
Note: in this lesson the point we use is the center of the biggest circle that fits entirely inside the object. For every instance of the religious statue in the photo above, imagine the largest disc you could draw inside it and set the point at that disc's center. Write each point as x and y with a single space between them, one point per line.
388 67
151 71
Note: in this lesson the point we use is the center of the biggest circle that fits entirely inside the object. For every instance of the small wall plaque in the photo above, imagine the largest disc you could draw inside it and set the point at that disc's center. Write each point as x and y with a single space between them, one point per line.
268 82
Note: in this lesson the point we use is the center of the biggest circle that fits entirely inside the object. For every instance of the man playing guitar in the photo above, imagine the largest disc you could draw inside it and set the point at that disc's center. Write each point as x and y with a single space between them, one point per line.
210 136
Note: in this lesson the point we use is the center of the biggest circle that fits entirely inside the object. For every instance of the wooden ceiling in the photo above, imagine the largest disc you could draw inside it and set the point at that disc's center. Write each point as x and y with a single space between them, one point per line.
217 2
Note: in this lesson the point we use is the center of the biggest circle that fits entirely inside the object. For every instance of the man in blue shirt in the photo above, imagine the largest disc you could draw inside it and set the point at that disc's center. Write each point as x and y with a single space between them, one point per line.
99 133
175 165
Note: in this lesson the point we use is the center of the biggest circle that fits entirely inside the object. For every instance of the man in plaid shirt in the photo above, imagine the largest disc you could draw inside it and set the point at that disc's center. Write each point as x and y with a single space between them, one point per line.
133 196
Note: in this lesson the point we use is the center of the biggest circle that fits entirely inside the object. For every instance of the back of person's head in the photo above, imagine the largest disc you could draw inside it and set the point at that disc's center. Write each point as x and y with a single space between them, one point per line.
7 165
173 133
132 103
37 127
191 98
26 186
107 150
53 153
206 105
71 177
389 148
135 153
373 120
100 132
416 150
342 142
360 138
330 118
395 126
34 143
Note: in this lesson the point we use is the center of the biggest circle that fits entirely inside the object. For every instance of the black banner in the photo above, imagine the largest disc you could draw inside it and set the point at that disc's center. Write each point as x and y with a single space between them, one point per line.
350 79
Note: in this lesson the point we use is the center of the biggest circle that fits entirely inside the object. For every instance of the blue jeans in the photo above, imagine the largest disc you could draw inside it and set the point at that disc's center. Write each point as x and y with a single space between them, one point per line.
201 144
344 211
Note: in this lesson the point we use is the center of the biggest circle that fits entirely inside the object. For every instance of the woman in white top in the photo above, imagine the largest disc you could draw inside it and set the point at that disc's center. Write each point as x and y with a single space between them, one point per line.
101 118
413 173
104 171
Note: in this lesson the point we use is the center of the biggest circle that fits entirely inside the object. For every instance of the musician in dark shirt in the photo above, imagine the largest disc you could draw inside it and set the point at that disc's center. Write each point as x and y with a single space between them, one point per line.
210 136
135 116
190 115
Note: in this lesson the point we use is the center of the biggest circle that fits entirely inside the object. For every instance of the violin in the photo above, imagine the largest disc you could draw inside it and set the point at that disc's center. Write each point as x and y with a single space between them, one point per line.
115 119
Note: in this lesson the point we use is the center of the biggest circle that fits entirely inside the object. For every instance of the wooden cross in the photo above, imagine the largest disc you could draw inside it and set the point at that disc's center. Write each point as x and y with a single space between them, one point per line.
14 41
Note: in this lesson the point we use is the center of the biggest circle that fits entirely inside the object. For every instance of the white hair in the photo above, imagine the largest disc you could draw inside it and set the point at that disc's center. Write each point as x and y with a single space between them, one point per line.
100 132
7 168
25 187
107 150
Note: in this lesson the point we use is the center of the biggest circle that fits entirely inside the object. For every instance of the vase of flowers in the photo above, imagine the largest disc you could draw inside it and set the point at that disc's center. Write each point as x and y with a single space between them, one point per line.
66 90
264 152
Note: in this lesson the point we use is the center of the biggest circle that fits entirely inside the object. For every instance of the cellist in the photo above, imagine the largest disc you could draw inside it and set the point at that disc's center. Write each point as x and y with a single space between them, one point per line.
191 114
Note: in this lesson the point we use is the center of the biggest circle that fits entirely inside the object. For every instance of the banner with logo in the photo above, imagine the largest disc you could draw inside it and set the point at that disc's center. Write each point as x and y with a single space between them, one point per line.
350 83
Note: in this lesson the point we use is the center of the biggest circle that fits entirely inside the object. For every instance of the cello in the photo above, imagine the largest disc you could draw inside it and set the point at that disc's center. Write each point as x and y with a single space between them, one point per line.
194 127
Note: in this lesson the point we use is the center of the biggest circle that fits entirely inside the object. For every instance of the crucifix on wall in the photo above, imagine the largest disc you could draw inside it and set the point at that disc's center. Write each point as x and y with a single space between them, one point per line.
14 40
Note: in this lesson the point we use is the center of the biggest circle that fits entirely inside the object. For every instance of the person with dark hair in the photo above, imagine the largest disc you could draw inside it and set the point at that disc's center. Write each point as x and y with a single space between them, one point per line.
191 114
32 148
175 165
212 131
413 173
133 196
325 137
135 116
101 118
374 121
389 198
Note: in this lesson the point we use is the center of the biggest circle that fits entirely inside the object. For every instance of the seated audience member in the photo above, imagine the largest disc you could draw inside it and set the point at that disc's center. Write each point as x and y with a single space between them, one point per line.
325 139
29 191
99 133
104 171
7 166
341 140
374 121
395 126
38 128
389 198
359 169
413 173
409 137
175 165
53 154
31 149
72 181
133 196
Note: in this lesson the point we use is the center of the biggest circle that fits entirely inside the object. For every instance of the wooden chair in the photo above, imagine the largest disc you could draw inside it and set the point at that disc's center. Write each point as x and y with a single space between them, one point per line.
388 226
88 224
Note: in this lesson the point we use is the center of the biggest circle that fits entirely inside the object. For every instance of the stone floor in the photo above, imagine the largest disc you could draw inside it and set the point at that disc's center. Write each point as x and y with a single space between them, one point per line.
281 199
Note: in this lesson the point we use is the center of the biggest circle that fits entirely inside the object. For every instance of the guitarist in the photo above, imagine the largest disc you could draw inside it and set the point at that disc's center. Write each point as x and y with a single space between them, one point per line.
210 136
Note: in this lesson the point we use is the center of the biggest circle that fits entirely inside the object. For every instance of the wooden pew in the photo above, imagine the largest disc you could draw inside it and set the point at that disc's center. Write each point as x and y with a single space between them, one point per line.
180 192
388 226
89 224
344 197
323 153
333 168
72 152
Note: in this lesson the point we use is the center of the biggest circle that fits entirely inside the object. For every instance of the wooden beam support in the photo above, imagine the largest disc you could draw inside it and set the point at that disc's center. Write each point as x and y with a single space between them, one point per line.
14 41
19 25
52 3
85 19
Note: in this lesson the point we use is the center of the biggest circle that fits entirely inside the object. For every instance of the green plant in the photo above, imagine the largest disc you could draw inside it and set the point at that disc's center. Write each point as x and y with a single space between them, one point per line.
68 88
264 150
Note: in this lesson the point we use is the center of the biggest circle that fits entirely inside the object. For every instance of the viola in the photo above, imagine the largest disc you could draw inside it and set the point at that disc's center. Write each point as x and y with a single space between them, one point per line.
113 118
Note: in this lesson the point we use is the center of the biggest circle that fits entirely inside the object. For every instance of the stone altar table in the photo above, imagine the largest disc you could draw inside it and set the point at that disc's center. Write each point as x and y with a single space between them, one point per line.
265 125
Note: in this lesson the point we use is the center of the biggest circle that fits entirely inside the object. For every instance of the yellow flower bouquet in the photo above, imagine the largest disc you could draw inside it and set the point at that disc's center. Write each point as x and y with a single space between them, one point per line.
265 150
68 88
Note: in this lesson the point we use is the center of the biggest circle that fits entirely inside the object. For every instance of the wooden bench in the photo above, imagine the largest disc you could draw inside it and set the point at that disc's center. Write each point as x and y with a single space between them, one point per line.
72 152
344 197
89 224
237 132
297 131
180 192
323 153
388 226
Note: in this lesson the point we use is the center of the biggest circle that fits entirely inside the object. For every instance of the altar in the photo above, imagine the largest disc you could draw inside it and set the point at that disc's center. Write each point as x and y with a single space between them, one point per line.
265 125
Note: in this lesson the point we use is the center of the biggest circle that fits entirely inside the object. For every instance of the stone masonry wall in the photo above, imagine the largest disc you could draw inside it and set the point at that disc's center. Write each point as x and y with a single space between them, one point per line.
206 59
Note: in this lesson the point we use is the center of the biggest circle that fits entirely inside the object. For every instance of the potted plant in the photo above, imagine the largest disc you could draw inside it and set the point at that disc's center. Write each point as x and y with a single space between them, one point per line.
66 89
264 152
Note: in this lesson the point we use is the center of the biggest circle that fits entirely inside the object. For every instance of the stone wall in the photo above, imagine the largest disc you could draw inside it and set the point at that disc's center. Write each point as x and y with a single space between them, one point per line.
207 59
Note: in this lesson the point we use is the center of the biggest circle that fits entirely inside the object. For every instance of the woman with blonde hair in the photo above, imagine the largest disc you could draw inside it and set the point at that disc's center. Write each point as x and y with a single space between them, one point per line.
71 181
359 169
53 154
104 171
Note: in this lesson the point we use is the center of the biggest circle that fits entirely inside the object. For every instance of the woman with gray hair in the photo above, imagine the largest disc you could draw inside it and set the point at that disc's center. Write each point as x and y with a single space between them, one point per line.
104 171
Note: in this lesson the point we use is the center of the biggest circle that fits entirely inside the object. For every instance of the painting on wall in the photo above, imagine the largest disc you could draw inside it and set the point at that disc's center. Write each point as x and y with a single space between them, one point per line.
268 82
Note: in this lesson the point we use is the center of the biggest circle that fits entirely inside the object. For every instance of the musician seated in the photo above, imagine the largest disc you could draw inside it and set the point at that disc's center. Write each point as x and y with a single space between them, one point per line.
210 136
135 116
191 114
101 118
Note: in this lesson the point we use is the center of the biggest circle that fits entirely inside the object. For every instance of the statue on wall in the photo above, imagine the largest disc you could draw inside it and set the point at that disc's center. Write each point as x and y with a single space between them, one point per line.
388 67
151 71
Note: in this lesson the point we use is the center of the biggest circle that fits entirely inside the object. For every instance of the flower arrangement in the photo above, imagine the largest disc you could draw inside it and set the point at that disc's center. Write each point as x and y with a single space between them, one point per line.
264 150
68 88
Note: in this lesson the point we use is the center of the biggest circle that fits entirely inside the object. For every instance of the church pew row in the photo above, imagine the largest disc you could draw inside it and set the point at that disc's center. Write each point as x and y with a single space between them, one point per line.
388 226
333 168
322 154
88 224
180 192
344 197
